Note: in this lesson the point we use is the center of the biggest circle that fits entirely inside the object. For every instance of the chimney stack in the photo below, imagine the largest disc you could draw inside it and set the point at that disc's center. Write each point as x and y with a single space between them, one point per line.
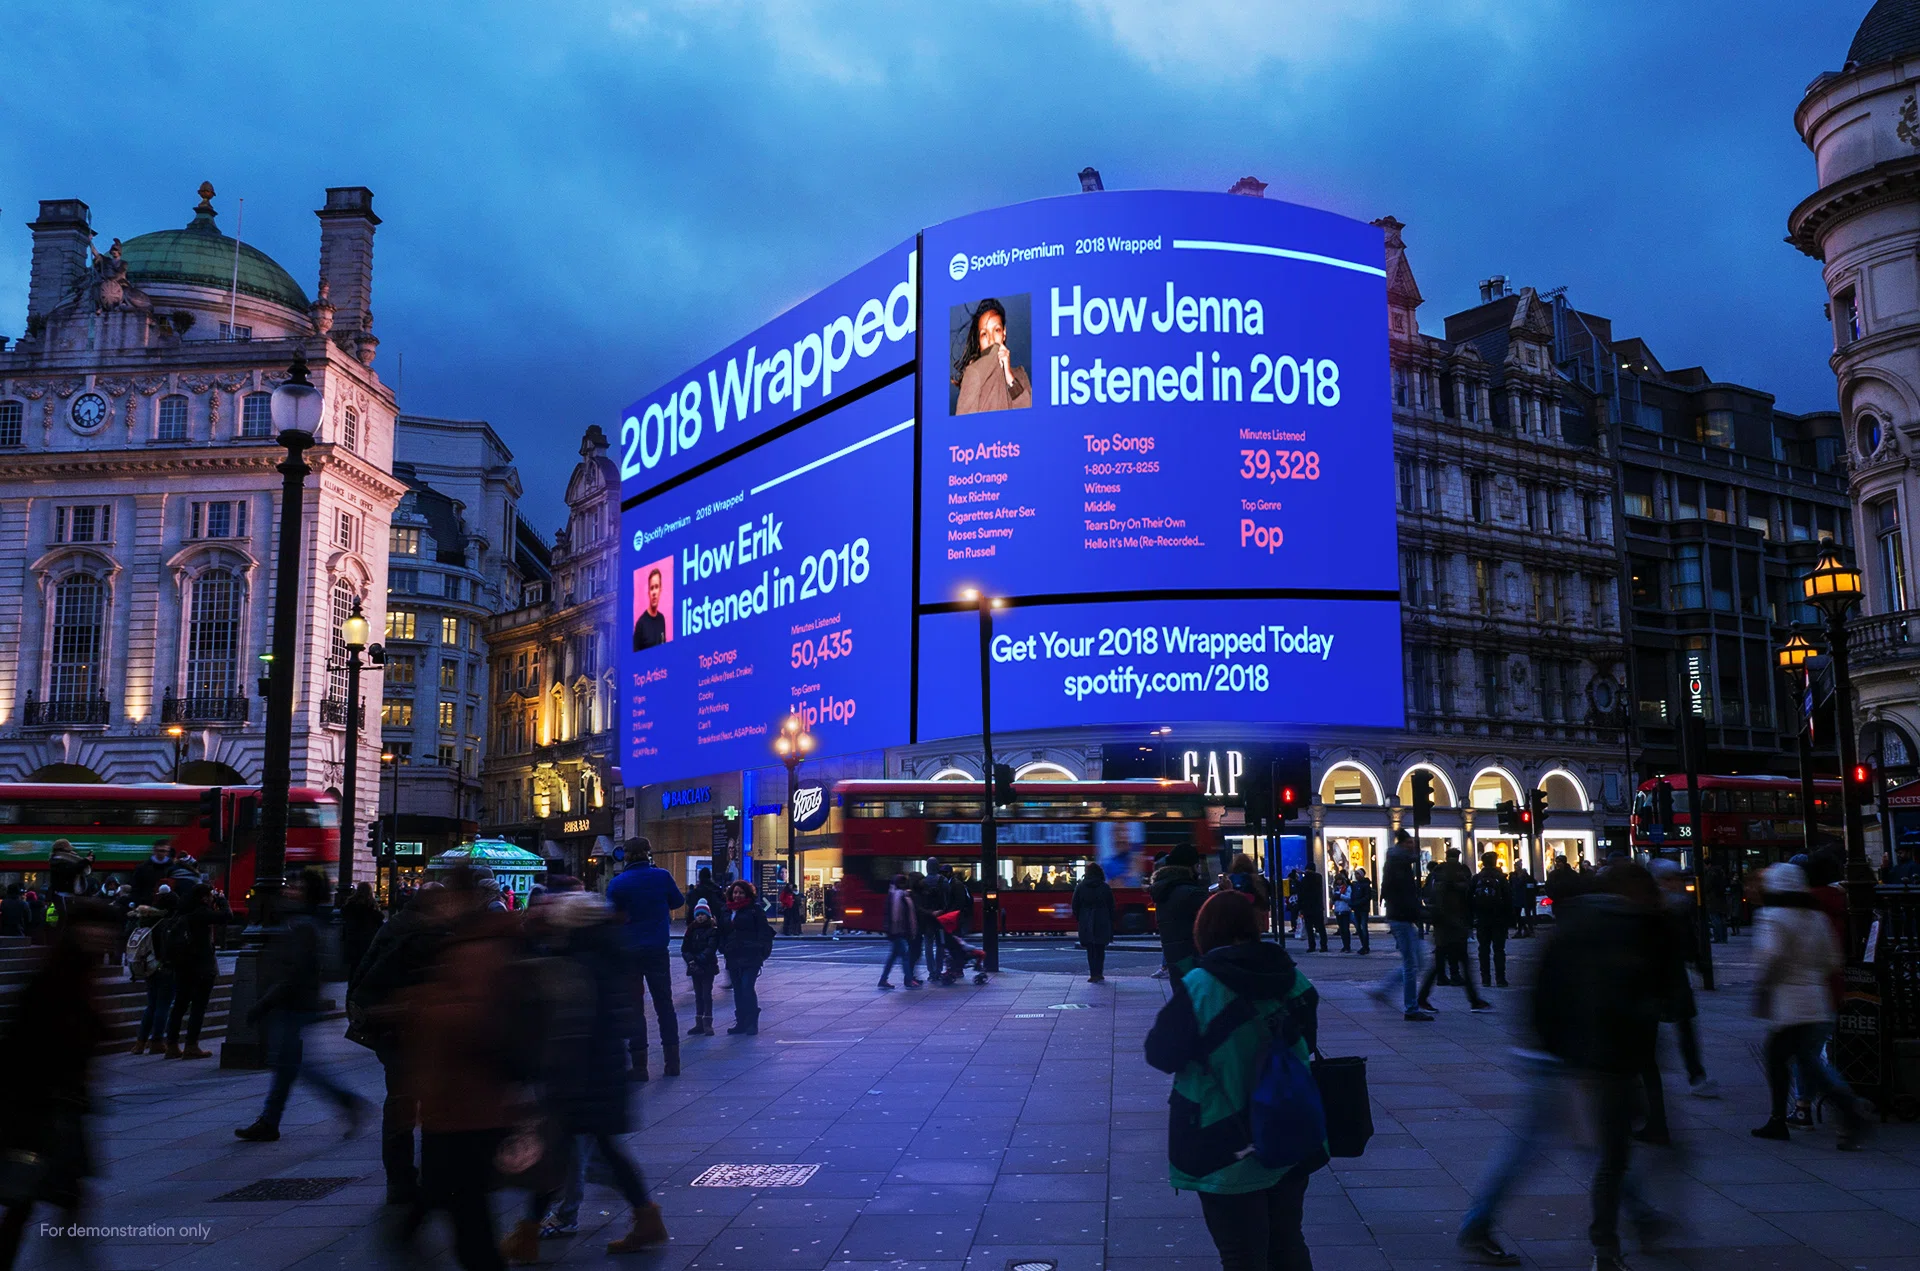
60 240
1493 288
346 265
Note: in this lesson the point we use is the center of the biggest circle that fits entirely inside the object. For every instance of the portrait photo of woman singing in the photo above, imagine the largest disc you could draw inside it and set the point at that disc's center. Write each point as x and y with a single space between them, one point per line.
986 373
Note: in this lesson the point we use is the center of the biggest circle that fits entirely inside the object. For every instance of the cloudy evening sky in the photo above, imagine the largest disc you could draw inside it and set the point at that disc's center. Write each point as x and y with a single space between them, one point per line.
580 199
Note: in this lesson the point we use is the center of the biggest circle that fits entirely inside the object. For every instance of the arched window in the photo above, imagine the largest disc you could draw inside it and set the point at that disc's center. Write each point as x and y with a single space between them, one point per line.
256 415
350 429
582 710
173 418
337 666
79 616
213 636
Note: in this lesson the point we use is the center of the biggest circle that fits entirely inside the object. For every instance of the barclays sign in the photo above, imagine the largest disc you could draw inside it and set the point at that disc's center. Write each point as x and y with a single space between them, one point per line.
685 798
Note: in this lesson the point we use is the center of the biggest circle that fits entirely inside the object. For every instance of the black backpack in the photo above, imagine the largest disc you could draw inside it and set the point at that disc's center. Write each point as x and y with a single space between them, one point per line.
173 942
1490 894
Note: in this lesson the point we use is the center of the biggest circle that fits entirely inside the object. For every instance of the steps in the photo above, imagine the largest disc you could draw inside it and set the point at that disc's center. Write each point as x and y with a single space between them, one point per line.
122 1001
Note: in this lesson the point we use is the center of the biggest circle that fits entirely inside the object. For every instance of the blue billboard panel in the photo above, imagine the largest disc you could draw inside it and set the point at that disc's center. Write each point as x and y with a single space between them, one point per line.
835 341
1165 661
778 583
1127 392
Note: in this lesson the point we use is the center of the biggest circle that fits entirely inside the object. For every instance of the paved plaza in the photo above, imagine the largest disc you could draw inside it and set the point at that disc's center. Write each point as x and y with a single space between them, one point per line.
959 1129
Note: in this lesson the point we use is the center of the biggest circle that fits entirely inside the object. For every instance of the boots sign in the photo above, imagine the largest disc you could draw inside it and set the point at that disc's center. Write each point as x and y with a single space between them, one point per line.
810 806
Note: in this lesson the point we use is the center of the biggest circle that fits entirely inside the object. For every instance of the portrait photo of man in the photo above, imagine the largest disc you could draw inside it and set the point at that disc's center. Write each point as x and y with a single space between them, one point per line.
653 604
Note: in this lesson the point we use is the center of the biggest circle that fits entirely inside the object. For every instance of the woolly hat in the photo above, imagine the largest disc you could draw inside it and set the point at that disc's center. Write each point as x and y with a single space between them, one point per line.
701 906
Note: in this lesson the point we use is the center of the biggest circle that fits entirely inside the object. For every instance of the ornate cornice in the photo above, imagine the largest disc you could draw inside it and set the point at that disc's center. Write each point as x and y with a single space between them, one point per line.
1882 185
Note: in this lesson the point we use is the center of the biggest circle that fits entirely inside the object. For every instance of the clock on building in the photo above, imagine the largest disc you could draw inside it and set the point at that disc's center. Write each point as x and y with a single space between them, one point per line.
89 412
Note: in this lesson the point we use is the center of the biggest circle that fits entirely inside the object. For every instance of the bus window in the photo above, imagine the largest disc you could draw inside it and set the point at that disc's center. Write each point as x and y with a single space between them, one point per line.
1042 873
325 816
1763 802
1737 800
1790 802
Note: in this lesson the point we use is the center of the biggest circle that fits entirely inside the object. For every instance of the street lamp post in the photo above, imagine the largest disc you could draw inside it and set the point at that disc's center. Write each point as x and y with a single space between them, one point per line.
391 761
792 746
989 828
1793 658
295 408
353 633
179 736
1834 586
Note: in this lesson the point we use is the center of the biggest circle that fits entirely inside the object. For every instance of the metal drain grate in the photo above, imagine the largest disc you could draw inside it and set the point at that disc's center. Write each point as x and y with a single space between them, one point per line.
1032 1264
286 1189
756 1176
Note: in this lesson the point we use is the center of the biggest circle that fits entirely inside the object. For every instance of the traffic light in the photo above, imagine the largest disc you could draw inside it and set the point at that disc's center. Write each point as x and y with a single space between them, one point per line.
1860 784
1509 816
1287 804
1422 797
1002 784
1537 805
246 814
373 839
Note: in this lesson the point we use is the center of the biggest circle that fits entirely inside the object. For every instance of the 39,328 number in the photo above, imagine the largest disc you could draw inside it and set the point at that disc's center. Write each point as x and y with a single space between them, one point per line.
1280 465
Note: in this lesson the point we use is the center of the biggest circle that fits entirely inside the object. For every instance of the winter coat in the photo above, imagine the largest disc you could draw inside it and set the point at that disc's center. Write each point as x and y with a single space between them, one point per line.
290 966
645 897
147 877
402 955
1563 884
1177 897
700 948
1209 1035
1493 904
360 921
747 940
1400 887
458 1029
1795 955
902 917
1360 895
1093 914
199 962
584 978
1452 901
1602 981
46 1055
13 916
1313 894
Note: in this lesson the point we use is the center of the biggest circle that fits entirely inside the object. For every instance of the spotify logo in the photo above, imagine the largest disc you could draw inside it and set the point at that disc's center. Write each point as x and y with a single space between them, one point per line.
957 267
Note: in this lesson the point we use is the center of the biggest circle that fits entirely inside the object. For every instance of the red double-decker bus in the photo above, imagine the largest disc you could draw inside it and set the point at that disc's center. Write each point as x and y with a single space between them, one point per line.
116 828
1047 837
1746 821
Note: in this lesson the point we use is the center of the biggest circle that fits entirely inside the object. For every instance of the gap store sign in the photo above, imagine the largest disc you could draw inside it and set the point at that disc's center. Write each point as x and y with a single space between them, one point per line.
1154 425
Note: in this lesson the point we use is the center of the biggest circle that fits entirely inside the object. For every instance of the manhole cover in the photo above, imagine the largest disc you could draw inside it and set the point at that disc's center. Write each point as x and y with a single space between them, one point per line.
286 1189
756 1176
1031 1015
1032 1264
1069 1006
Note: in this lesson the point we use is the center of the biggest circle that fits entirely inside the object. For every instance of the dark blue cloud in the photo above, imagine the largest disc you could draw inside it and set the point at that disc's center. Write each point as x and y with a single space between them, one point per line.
582 199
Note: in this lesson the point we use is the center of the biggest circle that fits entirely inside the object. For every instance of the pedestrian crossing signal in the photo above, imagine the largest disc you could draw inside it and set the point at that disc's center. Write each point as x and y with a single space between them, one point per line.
1288 804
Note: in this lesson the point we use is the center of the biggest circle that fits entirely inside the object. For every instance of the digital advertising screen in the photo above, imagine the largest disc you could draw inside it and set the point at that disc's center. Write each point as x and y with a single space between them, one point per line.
780 582
1155 391
823 348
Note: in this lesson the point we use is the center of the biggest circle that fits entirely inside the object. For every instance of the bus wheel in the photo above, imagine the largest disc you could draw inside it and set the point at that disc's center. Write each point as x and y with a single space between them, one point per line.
1133 921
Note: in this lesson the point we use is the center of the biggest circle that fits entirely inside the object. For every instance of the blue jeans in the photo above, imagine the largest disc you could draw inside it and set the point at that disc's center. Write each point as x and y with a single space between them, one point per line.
1544 1077
746 995
288 1052
1412 950
153 1020
901 952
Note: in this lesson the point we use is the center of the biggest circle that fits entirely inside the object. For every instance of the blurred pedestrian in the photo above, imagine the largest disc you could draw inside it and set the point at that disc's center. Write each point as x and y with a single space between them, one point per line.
1524 891
46 1063
149 874
1452 909
1360 896
1243 996
400 959
1313 908
360 920
901 924
144 965
186 943
645 898
289 1004
13 913
700 950
1400 894
1177 894
1492 917
746 943
464 1045
583 1080
1093 918
829 907
704 888
1796 955
927 904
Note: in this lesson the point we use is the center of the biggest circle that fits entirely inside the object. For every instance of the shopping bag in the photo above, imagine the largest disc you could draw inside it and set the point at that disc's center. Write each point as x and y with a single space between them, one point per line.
1343 1097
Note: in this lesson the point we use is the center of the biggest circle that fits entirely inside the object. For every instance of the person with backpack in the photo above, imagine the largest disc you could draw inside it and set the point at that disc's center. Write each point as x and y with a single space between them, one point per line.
185 942
1452 904
700 950
746 942
1243 1017
143 964
1093 918
1492 917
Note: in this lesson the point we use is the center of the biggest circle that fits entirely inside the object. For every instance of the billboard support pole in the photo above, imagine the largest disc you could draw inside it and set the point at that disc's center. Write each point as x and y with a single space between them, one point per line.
989 831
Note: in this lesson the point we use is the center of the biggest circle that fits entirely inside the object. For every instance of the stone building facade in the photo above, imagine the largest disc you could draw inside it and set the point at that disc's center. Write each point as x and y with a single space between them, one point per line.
139 501
551 775
1862 224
